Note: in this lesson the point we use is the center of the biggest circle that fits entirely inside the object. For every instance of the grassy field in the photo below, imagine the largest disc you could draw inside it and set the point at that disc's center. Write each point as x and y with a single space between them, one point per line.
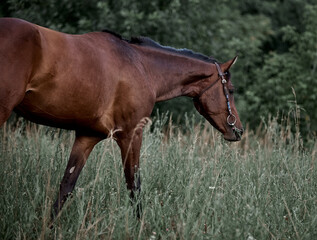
194 186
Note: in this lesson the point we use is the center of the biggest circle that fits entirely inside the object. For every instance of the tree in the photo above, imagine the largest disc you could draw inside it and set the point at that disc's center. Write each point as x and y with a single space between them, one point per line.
275 42
294 68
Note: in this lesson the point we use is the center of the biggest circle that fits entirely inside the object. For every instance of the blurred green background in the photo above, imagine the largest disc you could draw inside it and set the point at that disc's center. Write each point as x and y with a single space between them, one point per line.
276 42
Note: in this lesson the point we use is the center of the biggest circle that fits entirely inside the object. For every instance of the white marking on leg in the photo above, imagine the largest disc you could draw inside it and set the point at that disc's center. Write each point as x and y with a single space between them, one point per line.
72 170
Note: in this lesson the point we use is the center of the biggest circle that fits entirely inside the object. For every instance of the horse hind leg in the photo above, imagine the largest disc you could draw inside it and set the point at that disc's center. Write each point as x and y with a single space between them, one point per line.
7 103
10 97
13 81
18 59
4 114
14 77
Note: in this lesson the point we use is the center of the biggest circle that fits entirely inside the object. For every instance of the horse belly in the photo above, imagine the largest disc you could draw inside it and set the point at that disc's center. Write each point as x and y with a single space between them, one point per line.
42 109
40 116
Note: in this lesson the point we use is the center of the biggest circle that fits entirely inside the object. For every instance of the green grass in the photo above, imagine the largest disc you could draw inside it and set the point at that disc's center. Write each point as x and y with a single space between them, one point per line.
194 186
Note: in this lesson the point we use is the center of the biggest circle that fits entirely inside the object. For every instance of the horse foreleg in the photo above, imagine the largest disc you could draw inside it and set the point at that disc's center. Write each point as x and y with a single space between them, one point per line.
130 146
81 149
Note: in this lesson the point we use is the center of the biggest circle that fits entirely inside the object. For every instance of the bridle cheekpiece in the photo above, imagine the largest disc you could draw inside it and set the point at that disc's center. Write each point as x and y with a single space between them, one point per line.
231 119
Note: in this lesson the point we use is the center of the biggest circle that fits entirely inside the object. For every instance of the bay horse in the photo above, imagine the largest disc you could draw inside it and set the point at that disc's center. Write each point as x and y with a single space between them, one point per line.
99 84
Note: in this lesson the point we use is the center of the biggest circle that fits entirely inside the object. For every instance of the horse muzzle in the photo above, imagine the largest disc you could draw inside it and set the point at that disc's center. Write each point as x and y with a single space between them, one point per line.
238 132
234 134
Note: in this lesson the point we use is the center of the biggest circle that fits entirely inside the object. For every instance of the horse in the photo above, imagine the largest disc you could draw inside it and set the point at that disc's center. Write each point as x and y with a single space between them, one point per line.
99 84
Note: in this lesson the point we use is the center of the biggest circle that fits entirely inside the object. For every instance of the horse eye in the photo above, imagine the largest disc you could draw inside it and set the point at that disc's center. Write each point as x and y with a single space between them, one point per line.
231 90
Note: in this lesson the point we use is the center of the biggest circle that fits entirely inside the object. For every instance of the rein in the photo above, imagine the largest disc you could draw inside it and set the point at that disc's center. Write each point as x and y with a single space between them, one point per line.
231 119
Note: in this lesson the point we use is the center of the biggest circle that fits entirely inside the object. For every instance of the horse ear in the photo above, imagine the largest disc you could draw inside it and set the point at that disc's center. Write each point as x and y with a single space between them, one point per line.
227 65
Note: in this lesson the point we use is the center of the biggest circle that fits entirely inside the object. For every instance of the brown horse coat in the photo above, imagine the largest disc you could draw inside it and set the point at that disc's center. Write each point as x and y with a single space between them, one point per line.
97 84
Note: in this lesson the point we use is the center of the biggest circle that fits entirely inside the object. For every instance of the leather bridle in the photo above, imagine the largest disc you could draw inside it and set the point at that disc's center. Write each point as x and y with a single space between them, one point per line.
231 119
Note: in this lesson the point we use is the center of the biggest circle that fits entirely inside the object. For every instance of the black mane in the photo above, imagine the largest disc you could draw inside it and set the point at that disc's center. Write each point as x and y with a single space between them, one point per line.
148 42
114 34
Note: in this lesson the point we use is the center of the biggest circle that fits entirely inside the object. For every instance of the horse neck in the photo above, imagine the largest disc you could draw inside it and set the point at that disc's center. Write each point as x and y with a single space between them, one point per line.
173 75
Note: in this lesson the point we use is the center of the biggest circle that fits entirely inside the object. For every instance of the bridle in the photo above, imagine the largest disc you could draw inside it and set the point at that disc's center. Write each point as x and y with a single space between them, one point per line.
231 119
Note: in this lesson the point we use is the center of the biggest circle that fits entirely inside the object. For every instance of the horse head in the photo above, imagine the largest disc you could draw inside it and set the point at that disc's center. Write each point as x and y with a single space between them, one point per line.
216 102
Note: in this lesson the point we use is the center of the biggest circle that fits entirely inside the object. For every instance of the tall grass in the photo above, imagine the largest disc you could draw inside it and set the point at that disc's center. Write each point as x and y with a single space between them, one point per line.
194 186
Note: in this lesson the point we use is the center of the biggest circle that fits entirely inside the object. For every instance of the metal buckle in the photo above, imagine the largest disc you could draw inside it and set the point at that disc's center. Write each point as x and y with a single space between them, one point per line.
231 117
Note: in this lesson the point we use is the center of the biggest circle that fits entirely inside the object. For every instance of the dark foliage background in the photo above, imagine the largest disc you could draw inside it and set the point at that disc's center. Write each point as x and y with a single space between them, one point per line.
276 42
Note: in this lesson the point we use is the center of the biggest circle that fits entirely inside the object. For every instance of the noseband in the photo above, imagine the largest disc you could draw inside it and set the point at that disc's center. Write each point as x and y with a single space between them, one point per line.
231 119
